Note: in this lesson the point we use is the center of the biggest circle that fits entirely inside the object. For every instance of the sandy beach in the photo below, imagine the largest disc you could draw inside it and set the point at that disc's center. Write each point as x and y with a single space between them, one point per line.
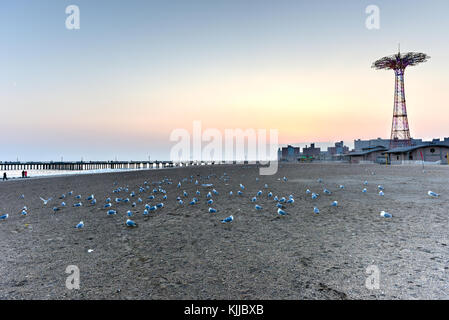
185 252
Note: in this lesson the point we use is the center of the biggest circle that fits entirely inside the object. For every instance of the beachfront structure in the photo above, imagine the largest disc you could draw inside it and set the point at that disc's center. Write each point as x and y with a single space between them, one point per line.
400 132
370 154
430 152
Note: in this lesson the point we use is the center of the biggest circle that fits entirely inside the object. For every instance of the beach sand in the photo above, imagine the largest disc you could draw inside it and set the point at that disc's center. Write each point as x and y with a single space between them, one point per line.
184 252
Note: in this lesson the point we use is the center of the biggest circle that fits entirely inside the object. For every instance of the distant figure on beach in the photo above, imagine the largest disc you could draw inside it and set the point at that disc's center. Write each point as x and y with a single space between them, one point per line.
26 174
23 173
4 176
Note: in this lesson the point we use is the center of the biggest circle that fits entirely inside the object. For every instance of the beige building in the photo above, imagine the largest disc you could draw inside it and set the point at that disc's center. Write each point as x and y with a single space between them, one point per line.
427 152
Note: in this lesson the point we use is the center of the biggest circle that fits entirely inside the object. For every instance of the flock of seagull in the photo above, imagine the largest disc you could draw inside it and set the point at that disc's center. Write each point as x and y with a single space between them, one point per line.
134 199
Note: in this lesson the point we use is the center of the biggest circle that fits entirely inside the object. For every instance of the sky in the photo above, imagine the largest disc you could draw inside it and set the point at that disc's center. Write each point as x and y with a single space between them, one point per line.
136 70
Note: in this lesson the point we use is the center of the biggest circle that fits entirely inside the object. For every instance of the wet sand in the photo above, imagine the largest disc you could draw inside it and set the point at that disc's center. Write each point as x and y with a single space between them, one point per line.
184 252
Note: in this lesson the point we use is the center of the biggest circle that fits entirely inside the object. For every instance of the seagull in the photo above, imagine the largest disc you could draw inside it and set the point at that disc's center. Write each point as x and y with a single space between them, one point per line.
314 195
240 193
125 200
180 201
364 190
433 194
150 197
291 200
153 208
145 212
284 178
91 197
117 200
242 186
160 205
94 201
212 210
254 199
129 213
281 212
185 194
215 191
385 214
282 200
198 192
279 205
62 196
79 204
270 194
266 186
80 225
210 201
365 182
316 210
139 200
55 209
78 197
319 180
63 204
381 193
24 212
22 196
45 201
342 186
111 212
334 204
108 200
131 223
231 193
258 207
228 219
108 205
308 191
380 187
4 217
327 191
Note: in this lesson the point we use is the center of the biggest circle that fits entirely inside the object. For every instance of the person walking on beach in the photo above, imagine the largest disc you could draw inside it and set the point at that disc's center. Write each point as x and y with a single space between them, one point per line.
4 176
23 173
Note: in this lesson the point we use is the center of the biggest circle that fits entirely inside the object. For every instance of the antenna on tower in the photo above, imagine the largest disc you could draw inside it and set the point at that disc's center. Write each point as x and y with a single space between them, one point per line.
399 48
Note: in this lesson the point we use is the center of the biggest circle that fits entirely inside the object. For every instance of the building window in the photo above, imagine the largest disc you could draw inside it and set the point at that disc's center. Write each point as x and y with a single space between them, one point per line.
397 157
432 150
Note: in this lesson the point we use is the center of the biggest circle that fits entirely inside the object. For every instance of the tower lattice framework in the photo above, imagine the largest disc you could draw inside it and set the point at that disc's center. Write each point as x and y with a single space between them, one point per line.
400 131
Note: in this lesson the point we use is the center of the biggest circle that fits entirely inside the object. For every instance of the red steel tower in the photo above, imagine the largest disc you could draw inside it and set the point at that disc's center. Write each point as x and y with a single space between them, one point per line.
400 132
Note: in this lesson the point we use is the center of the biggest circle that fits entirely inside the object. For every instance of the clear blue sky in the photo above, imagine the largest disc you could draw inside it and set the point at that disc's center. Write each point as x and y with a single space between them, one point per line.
136 70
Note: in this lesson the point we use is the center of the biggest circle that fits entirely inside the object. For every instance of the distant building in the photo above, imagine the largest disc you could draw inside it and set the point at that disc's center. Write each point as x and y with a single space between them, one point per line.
359 144
289 153
311 151
338 149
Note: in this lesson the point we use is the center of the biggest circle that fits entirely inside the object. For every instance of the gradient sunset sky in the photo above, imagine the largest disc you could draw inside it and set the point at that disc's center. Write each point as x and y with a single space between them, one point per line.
136 70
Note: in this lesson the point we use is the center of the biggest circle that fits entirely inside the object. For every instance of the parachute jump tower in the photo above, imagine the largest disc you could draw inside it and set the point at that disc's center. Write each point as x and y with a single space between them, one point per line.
400 132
